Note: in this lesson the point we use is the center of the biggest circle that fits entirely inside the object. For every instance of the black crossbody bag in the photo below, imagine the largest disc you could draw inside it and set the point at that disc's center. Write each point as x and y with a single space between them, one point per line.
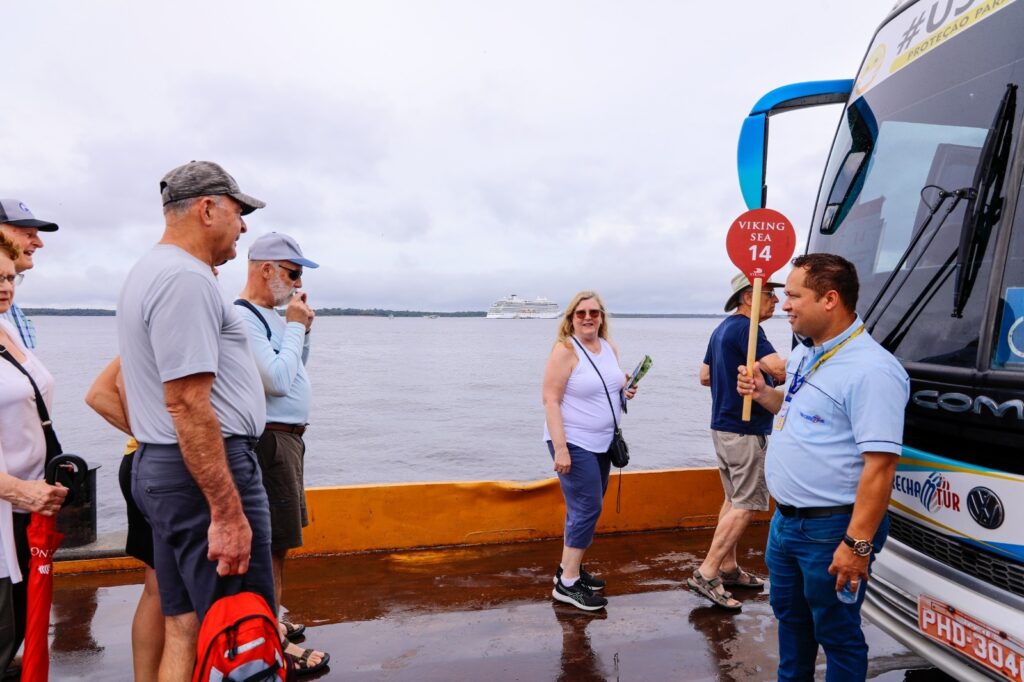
618 451
70 471
52 444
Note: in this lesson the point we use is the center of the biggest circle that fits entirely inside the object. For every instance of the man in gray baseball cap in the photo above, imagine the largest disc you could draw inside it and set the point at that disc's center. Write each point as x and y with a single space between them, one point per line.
204 178
195 404
19 225
281 349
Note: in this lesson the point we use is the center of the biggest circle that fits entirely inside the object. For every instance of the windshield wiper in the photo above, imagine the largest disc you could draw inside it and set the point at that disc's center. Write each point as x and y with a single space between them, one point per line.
899 331
957 195
986 203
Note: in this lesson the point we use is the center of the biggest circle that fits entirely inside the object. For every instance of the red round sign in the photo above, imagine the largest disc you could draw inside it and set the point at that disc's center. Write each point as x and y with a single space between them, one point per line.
760 242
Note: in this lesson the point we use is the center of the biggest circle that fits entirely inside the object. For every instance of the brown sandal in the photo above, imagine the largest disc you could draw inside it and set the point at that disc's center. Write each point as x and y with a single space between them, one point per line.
740 578
709 588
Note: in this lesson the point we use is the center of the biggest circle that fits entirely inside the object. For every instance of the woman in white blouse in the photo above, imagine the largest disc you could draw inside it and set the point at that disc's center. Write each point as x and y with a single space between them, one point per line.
22 457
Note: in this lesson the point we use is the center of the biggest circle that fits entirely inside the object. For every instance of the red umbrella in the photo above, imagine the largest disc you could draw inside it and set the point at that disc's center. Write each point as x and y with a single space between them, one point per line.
43 541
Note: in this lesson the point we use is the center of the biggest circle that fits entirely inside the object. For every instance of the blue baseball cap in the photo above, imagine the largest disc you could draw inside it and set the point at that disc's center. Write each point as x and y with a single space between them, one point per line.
279 246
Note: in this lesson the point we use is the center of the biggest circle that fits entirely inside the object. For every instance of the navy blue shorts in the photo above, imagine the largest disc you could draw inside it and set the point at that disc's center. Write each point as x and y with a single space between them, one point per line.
583 489
180 517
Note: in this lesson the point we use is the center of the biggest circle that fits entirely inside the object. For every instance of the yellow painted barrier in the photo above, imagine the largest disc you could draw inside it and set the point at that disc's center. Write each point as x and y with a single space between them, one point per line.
363 518
408 515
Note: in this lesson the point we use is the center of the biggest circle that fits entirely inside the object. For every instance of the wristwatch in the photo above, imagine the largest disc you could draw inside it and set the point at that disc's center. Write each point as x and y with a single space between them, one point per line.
859 547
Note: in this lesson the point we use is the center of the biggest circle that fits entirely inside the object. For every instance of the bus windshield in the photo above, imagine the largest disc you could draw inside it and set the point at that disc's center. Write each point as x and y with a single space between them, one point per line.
898 183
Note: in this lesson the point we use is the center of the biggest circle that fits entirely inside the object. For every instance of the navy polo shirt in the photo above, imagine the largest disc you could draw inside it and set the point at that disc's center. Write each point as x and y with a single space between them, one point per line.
727 350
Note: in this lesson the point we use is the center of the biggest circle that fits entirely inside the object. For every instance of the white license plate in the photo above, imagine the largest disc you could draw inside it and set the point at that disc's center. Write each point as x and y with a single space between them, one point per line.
973 638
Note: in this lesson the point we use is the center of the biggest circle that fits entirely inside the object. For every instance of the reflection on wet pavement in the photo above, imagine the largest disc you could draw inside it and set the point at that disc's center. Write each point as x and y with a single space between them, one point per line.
485 612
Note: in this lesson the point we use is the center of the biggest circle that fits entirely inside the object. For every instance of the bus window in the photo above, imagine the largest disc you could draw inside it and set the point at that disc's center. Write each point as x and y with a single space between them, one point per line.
902 209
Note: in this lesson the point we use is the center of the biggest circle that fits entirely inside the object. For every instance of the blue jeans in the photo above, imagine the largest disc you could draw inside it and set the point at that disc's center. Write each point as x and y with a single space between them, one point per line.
803 597
583 489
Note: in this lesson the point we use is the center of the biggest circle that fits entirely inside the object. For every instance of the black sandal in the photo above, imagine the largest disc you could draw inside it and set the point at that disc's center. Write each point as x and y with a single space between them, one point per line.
302 665
292 631
740 578
709 588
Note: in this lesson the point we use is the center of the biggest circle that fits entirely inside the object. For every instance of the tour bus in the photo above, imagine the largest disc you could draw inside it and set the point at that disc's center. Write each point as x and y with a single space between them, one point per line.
922 192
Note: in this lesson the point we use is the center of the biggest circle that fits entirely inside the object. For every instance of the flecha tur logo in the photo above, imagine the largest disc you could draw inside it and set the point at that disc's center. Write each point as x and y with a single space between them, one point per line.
813 418
986 508
934 493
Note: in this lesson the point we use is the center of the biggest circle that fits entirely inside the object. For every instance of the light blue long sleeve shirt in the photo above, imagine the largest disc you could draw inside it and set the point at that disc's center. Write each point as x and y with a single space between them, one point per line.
285 382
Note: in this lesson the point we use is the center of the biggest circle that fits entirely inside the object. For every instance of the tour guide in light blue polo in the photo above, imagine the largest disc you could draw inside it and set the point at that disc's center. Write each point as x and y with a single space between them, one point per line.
837 436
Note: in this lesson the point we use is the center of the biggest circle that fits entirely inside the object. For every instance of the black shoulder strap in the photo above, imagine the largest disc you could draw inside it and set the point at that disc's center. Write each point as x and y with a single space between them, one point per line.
53 447
245 304
615 422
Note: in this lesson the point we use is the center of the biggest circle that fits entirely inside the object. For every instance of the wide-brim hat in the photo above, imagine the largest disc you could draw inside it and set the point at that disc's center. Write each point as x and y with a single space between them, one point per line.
739 284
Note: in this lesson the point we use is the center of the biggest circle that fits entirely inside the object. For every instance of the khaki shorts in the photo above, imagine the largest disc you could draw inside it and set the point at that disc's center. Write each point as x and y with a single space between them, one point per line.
281 455
741 467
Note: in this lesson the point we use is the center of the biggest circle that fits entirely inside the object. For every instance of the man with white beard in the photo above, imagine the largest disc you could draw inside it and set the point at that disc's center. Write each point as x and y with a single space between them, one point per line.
281 349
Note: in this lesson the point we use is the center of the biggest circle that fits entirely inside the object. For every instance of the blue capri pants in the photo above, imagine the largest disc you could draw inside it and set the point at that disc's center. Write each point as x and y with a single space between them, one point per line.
583 489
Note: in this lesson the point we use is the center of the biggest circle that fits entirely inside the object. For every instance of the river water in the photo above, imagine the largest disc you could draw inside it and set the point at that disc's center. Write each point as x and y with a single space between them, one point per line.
419 399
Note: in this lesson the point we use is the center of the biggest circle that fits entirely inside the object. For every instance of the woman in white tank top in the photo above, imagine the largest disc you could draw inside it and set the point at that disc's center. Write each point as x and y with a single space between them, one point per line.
578 429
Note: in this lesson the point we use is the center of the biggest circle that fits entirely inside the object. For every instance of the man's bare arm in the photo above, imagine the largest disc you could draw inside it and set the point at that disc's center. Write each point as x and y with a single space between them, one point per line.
775 366
105 398
202 448
872 501
767 397
705 374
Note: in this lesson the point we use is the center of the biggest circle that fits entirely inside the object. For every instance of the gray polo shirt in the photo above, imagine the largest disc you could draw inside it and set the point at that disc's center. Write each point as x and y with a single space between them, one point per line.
173 322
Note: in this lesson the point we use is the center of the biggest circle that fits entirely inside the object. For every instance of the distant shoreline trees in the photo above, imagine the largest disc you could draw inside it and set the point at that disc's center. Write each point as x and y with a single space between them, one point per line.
355 312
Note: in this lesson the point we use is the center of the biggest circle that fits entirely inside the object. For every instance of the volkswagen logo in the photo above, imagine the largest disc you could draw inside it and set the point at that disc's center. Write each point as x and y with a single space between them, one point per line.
985 507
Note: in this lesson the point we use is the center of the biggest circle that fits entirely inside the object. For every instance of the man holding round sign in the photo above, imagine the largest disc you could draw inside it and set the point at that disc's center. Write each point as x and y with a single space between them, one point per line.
759 242
739 446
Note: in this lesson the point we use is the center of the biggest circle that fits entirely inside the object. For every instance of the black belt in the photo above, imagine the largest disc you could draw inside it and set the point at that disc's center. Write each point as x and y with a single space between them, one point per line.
297 429
813 512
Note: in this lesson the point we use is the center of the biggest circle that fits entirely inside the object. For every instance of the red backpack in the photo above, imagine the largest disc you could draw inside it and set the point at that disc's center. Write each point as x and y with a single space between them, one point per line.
239 642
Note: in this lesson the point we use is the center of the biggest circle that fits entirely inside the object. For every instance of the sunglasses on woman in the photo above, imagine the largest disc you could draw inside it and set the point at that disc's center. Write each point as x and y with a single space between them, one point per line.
293 275
582 314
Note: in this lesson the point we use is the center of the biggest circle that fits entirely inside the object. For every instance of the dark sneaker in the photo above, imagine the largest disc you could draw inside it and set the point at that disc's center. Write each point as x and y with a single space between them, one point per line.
593 582
579 595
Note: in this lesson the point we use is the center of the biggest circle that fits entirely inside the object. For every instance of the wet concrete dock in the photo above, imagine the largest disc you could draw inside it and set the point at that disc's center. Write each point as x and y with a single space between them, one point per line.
486 613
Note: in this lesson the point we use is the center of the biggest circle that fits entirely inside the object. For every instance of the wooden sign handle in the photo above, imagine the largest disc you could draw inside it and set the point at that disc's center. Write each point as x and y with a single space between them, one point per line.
755 317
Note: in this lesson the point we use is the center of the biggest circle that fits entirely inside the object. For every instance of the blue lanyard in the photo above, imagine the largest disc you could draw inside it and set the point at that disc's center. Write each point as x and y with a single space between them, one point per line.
799 379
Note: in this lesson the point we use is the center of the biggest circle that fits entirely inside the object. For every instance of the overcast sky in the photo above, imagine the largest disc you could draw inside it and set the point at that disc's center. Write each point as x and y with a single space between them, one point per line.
430 155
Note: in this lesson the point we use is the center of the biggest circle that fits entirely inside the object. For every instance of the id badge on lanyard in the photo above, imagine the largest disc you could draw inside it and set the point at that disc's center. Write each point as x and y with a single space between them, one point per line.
794 386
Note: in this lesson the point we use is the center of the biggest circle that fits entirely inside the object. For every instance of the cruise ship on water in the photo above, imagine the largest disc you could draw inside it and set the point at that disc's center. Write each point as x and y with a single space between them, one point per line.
512 307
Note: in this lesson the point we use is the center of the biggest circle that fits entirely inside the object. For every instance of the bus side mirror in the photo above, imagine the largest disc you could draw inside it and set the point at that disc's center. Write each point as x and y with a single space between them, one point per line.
752 151
841 188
